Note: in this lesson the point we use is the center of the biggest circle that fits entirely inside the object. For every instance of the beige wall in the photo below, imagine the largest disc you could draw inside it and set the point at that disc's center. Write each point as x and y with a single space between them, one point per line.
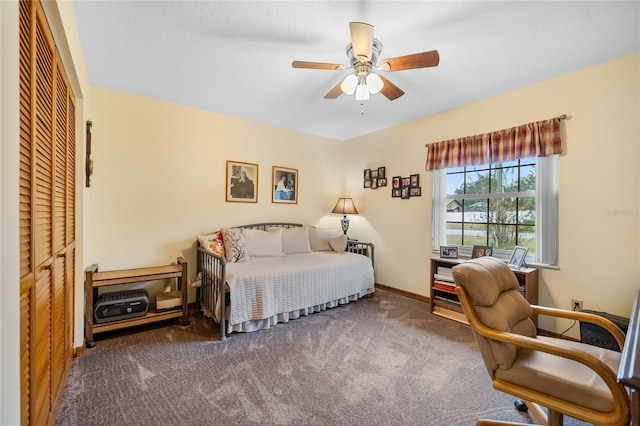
159 178
9 218
599 185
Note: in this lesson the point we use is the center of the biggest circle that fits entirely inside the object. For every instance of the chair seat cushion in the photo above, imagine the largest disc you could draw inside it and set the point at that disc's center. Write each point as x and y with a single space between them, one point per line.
562 378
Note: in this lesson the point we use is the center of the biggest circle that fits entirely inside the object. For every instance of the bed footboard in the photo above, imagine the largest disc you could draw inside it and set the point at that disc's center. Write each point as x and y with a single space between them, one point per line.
212 294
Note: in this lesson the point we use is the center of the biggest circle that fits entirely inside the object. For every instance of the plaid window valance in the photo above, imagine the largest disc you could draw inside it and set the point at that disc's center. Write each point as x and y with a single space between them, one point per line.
537 139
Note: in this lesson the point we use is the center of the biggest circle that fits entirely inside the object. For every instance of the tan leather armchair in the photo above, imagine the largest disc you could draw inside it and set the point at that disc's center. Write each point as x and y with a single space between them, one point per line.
565 376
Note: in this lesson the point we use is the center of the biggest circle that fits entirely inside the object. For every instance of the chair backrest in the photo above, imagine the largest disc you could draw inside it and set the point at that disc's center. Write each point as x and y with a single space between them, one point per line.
493 294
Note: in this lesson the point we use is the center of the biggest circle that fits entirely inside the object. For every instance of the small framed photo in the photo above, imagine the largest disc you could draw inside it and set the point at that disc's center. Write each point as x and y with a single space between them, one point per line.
449 252
374 183
367 174
479 251
517 257
405 182
285 185
374 173
415 192
404 193
241 182
414 181
381 172
382 181
395 192
395 182
367 183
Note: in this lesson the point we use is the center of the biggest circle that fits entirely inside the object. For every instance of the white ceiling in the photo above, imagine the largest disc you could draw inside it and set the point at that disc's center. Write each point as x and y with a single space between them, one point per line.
234 57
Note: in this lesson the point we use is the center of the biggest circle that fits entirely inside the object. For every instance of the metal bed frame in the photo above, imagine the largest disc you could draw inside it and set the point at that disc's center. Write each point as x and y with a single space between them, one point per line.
213 269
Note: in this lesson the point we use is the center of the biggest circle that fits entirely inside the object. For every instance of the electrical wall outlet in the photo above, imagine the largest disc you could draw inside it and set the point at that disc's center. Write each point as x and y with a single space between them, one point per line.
576 305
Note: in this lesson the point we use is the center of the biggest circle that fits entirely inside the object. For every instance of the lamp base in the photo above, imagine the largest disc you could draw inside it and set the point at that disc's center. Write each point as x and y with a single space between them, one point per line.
345 224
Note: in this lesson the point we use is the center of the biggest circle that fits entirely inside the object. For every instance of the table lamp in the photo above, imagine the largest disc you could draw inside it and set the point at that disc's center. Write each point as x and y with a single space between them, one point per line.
345 206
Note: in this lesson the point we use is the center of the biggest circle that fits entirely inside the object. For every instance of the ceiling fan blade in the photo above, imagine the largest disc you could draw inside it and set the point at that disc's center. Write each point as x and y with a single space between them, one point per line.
361 40
335 92
407 62
390 90
316 65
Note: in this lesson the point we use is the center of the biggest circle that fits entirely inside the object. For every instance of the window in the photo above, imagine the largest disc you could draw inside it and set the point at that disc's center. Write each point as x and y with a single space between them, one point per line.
500 205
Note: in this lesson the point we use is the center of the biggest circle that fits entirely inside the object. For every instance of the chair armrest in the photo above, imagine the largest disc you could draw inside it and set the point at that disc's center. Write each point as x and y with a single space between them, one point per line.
603 322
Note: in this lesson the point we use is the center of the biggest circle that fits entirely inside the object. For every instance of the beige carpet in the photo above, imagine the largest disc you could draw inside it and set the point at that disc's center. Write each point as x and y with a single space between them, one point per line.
378 361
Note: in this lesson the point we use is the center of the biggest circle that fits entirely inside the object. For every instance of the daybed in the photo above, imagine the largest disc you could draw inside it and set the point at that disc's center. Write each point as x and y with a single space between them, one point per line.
274 272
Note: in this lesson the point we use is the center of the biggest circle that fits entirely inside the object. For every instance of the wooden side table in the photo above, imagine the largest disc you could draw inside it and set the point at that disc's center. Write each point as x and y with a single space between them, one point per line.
93 279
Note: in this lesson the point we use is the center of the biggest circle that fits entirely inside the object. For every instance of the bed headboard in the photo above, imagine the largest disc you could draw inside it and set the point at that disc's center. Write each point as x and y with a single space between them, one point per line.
264 226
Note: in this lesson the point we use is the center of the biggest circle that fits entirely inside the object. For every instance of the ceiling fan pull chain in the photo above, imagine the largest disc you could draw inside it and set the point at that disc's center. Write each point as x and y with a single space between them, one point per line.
361 109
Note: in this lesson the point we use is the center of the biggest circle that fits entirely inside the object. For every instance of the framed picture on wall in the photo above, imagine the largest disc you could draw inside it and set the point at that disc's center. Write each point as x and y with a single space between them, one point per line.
284 182
395 182
415 192
414 180
241 182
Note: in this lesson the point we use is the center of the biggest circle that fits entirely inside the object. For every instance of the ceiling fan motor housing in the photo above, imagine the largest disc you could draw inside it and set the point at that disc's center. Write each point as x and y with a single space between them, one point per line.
375 53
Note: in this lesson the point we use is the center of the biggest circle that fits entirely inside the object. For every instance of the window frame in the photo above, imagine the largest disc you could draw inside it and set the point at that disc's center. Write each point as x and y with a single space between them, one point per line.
547 212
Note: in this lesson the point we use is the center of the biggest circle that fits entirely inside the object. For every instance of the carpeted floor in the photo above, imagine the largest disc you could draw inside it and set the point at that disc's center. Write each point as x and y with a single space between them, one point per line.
379 361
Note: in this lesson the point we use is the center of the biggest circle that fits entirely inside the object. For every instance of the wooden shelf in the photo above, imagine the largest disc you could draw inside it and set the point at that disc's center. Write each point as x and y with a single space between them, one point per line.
527 277
95 279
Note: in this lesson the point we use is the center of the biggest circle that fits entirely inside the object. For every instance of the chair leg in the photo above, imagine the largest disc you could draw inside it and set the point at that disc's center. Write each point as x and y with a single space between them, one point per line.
537 412
549 418
555 418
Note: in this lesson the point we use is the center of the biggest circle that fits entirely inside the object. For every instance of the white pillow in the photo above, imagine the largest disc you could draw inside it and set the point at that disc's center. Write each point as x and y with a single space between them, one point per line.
264 243
319 238
338 243
235 247
295 240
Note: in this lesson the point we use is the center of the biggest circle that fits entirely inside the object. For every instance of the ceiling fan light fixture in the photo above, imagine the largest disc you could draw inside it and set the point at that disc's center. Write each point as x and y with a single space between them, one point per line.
374 83
349 84
362 92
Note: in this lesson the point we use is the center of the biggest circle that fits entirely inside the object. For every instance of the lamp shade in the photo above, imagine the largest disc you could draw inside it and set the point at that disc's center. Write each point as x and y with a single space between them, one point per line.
349 84
362 92
375 83
345 206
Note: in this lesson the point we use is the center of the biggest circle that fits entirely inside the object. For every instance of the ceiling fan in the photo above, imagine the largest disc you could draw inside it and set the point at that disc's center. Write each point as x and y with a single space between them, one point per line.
363 52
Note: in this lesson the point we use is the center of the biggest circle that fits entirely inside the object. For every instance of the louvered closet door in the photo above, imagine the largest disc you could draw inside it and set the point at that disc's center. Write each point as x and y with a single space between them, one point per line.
26 231
47 212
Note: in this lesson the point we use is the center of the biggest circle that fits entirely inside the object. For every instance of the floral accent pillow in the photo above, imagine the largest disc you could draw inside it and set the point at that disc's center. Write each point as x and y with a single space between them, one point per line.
235 246
213 243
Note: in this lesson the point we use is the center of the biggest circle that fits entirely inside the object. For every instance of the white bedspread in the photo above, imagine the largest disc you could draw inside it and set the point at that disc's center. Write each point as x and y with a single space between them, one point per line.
265 287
